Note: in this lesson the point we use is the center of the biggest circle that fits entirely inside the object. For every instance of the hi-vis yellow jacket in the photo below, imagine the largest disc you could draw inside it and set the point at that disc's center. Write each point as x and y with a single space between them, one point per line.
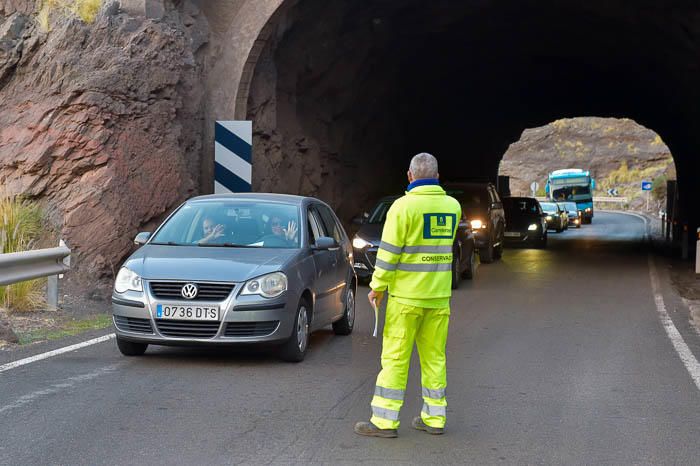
414 260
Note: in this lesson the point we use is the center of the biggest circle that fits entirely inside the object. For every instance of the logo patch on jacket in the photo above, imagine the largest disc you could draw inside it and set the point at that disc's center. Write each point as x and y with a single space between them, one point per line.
439 226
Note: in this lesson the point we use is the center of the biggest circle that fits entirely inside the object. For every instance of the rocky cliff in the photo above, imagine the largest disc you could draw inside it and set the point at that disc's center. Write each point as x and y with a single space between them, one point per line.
100 122
619 152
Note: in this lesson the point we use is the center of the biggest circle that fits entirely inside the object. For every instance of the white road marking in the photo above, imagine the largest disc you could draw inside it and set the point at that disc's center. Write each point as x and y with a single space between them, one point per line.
687 356
56 352
57 387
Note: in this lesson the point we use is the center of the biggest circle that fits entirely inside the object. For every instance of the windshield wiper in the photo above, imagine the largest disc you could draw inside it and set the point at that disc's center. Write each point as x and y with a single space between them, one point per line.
169 243
225 245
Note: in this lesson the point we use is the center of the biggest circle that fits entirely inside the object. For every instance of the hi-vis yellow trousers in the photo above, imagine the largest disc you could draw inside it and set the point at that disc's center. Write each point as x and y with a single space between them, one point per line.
404 325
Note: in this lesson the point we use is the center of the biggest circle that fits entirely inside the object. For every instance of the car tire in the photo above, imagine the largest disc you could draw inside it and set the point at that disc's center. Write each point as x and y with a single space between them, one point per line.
471 269
455 272
131 348
498 250
346 323
542 242
487 254
294 349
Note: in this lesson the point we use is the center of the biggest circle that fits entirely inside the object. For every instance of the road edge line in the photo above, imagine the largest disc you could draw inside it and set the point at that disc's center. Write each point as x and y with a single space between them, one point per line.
686 355
56 352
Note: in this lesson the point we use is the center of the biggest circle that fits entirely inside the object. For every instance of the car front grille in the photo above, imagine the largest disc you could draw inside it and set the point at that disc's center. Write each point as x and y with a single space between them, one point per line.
371 256
206 291
187 328
132 324
250 329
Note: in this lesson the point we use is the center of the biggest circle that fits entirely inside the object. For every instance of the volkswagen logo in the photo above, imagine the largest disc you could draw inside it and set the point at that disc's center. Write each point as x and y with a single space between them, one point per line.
189 291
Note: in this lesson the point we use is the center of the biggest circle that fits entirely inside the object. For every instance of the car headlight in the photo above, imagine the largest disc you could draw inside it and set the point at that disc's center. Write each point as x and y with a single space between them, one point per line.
548 217
532 227
127 280
477 224
268 286
359 243
588 209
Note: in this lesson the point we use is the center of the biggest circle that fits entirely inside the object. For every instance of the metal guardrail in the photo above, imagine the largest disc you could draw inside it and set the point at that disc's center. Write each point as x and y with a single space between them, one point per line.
620 200
20 266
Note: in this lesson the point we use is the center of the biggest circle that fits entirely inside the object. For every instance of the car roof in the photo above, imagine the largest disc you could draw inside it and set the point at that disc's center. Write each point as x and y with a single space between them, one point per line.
271 197
518 198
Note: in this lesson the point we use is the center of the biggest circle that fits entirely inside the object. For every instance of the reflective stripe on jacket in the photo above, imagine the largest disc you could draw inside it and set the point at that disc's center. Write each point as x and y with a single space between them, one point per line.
414 260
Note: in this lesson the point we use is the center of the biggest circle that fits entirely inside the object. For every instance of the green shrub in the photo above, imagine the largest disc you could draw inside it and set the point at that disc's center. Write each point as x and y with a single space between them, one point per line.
20 224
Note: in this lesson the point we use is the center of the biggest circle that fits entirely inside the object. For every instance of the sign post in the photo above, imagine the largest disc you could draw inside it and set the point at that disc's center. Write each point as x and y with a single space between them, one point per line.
646 186
534 186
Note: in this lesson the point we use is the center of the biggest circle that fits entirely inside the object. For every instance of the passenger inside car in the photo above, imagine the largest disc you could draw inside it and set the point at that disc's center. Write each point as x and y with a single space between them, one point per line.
211 230
279 236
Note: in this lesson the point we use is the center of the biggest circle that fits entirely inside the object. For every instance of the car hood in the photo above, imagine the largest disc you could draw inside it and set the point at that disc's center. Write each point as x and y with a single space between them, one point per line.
371 232
190 263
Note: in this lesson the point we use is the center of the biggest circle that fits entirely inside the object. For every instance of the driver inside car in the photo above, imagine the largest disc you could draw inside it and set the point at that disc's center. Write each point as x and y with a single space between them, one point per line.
281 233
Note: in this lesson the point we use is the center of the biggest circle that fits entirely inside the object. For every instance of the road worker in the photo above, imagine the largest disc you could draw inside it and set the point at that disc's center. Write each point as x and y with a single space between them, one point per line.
414 264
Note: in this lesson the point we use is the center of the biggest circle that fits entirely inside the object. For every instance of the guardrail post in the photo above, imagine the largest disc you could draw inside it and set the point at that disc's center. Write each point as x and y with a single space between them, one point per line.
697 253
52 291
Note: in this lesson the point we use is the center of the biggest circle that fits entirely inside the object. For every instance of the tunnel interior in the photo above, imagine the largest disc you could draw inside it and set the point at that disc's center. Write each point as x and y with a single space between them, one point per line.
345 92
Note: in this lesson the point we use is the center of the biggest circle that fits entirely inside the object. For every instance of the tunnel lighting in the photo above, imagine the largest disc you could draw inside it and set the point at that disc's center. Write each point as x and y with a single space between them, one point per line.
359 243
476 224
532 227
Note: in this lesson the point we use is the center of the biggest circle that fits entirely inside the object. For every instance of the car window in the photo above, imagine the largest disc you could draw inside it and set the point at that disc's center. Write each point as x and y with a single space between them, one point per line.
378 214
549 207
315 231
471 197
331 225
232 222
526 206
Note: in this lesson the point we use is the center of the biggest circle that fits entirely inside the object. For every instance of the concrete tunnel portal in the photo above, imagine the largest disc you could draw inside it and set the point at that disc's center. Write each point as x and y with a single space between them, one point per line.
343 92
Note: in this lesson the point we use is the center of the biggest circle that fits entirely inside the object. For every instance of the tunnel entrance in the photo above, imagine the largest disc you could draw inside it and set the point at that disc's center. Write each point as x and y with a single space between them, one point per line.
345 92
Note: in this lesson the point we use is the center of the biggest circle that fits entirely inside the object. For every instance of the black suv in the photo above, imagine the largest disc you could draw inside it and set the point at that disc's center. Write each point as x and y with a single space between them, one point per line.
483 210
366 242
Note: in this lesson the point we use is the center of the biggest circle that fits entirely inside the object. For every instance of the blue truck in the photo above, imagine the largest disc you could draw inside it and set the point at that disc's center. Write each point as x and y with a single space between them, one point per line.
572 184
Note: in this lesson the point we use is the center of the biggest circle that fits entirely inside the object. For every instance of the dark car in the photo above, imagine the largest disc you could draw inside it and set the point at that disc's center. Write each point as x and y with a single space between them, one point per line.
572 212
366 242
235 269
483 210
525 220
555 216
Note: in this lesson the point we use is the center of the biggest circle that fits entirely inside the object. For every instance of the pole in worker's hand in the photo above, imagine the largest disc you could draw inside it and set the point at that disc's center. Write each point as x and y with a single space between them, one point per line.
376 316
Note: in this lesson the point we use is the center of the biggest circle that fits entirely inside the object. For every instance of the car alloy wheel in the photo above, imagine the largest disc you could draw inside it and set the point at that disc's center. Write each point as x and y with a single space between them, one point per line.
302 329
350 307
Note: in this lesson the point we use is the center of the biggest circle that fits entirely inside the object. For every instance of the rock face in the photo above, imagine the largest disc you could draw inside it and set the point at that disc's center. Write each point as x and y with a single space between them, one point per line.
619 153
101 123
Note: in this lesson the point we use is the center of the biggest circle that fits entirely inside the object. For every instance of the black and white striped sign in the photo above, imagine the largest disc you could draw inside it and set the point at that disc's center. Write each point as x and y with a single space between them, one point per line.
233 166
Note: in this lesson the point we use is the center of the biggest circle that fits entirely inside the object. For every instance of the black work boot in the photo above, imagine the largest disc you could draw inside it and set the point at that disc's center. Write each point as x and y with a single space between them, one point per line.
370 430
420 425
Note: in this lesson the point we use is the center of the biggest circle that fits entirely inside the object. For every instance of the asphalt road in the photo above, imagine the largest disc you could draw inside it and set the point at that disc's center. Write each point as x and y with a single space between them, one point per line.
555 356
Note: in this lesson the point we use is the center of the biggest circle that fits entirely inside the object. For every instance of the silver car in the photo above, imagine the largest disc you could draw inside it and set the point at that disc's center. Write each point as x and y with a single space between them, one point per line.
236 269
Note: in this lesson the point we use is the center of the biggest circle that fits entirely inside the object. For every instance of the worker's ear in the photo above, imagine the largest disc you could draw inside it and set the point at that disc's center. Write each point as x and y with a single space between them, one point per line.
437 177
410 176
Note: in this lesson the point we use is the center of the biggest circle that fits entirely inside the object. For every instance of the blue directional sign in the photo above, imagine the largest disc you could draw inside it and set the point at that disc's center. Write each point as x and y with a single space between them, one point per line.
646 185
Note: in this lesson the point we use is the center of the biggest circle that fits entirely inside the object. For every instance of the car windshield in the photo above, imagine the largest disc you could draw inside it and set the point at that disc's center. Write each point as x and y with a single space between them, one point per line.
471 197
549 207
379 213
571 207
232 223
520 206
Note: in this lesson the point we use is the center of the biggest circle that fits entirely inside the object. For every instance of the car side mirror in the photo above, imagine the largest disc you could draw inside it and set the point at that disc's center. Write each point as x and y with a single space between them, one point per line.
325 243
142 238
358 220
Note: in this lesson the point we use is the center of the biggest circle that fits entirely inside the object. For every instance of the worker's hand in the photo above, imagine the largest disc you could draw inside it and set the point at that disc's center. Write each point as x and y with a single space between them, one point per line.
376 296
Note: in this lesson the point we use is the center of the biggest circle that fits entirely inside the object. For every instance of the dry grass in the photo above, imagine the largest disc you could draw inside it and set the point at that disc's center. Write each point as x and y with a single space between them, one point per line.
86 10
20 224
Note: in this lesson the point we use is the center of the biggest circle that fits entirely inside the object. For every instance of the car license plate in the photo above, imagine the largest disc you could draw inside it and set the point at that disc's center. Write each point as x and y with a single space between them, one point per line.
177 312
512 234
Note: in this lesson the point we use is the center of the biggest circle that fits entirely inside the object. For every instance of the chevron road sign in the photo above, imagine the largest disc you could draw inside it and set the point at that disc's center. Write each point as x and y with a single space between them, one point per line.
233 167
612 192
